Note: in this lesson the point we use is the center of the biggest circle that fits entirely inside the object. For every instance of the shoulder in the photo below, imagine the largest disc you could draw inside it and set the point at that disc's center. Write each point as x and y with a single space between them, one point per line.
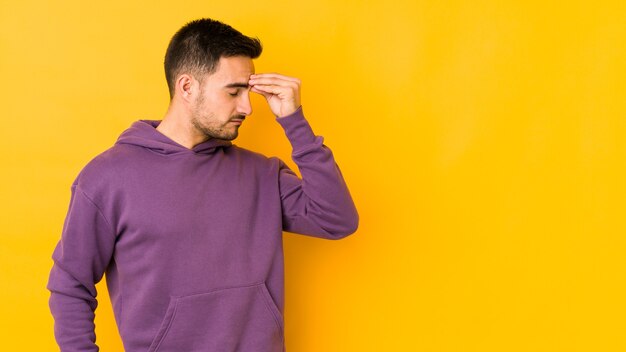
99 172
258 162
251 155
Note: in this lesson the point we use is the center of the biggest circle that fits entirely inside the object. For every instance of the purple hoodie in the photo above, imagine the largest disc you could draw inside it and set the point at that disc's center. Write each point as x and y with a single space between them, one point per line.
191 239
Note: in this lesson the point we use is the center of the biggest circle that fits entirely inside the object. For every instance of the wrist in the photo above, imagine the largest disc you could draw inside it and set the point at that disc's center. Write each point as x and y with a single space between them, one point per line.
291 112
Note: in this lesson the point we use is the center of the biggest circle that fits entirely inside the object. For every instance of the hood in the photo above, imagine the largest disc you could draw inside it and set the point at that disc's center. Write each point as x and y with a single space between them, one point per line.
143 133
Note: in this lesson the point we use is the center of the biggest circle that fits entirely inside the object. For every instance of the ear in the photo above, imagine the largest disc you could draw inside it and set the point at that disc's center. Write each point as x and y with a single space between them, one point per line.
186 87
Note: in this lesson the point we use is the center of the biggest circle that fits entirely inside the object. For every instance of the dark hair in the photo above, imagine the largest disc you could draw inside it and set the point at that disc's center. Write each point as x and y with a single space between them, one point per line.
198 46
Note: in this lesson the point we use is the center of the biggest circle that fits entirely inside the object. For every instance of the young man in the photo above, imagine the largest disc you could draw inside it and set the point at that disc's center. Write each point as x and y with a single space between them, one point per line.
188 226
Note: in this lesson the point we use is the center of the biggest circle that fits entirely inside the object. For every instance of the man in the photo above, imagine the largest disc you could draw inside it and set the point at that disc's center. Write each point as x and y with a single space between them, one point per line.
188 226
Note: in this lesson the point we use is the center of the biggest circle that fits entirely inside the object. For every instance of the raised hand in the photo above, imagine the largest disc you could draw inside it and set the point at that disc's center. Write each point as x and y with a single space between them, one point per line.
282 92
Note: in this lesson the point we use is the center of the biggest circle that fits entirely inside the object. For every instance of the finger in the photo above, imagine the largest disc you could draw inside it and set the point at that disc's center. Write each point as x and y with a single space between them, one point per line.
275 75
269 88
274 81
261 92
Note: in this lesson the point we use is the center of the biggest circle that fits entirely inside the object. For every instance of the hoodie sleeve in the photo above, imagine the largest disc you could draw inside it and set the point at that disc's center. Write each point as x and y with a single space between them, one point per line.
319 204
80 259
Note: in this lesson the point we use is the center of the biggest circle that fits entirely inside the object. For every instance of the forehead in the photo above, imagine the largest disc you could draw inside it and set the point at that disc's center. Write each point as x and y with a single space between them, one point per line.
235 68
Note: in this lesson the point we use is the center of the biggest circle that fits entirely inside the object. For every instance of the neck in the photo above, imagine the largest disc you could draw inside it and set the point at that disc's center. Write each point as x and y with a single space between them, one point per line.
177 126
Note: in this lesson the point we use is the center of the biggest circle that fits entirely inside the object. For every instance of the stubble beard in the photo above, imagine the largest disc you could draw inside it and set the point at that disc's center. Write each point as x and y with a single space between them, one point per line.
205 123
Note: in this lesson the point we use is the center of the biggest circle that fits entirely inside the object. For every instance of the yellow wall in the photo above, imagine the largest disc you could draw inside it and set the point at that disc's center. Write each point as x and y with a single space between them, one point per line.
484 143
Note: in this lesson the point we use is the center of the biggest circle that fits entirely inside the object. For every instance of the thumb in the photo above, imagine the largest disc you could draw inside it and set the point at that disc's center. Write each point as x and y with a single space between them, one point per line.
263 93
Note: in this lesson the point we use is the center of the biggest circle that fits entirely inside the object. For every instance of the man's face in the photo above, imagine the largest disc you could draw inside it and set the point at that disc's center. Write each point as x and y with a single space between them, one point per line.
224 97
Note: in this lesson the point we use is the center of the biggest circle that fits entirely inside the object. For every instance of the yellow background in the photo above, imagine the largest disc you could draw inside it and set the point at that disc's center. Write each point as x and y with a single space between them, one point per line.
484 143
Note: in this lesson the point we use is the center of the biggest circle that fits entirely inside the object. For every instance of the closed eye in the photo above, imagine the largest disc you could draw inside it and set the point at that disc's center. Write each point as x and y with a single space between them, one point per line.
237 85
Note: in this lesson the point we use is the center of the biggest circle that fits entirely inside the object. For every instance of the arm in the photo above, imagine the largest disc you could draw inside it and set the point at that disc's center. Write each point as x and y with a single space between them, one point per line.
80 259
319 204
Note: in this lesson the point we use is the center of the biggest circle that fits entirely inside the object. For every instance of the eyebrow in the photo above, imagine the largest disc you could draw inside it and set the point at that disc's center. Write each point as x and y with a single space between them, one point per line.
237 85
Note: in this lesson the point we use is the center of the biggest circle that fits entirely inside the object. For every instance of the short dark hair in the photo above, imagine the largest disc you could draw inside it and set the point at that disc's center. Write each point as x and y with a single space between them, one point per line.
198 46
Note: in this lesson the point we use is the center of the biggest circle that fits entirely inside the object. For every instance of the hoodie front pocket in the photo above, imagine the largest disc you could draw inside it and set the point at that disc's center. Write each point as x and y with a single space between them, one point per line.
243 318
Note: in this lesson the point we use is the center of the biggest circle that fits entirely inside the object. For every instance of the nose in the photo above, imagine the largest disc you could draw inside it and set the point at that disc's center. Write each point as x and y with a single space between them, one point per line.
244 106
